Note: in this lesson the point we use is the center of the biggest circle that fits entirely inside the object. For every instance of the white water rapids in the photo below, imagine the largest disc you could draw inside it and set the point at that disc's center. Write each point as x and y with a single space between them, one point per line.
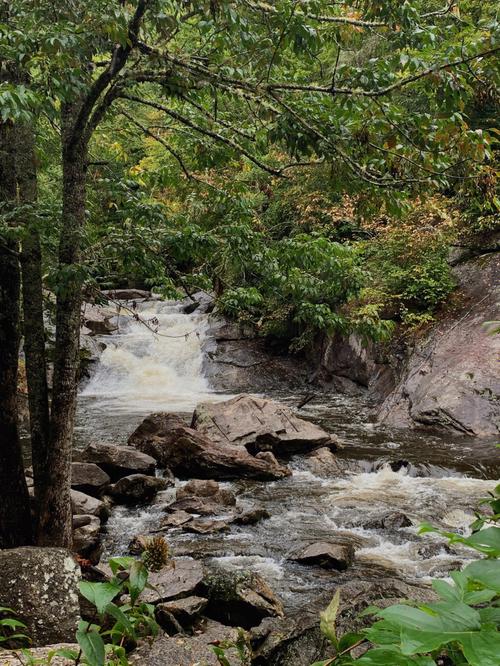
139 373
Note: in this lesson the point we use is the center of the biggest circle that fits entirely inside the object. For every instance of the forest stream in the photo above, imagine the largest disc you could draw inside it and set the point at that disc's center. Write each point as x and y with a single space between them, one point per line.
424 476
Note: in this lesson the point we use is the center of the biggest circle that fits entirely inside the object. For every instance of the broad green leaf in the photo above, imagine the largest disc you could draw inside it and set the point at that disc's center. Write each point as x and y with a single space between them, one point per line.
138 579
99 594
117 563
328 619
385 657
486 572
122 620
92 647
482 648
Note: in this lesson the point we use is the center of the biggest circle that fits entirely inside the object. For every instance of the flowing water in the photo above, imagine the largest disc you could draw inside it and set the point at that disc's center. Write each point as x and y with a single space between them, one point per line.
427 477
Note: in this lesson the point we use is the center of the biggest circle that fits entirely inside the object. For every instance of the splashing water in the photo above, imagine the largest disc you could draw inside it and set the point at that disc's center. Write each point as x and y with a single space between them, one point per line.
141 371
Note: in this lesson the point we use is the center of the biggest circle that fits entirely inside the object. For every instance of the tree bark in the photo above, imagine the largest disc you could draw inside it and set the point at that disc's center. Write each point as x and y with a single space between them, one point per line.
32 291
15 515
55 519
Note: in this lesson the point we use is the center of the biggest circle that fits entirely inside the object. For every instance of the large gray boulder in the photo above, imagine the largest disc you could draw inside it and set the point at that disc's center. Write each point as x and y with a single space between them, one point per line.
86 505
328 555
88 478
189 453
137 488
41 586
117 461
258 424
240 598
188 650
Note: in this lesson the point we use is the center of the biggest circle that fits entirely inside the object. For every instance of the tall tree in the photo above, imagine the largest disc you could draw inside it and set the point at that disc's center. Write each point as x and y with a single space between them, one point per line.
15 518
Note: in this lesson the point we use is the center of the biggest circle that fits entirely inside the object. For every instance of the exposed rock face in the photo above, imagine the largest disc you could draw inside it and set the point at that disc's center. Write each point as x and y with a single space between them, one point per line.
189 453
237 360
450 379
259 425
176 519
117 461
86 505
206 526
200 302
327 555
188 650
211 489
240 599
136 488
252 517
41 586
182 579
88 478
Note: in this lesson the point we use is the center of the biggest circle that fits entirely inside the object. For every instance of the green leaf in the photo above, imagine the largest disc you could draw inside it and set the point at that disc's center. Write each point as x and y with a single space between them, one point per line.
482 648
138 579
119 563
12 623
328 618
486 572
122 620
99 594
388 657
92 647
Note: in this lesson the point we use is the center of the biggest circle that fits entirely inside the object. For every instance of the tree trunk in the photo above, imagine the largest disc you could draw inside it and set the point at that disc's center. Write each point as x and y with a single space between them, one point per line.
34 331
15 515
55 518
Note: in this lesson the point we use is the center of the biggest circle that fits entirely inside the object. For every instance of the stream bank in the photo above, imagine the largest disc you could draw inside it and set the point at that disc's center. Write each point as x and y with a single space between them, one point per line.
371 495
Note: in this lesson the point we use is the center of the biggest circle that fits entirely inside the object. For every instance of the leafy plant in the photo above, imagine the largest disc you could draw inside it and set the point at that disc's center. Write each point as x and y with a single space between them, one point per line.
9 628
132 619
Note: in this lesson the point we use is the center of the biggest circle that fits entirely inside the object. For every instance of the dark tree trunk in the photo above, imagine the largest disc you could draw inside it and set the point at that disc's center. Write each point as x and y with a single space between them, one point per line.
54 500
15 515
34 331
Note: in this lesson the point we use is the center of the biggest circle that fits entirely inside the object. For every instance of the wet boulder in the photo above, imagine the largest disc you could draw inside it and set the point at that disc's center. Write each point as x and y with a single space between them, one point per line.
323 462
393 520
188 650
117 461
258 424
176 519
252 516
328 555
206 526
136 488
41 586
290 641
210 489
189 453
88 478
184 611
87 537
84 505
240 598
98 320
127 294
182 578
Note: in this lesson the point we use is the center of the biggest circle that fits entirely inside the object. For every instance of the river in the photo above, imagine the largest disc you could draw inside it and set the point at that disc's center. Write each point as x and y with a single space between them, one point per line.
426 476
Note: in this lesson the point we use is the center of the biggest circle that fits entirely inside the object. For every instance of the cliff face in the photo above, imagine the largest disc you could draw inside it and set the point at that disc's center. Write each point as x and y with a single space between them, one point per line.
451 378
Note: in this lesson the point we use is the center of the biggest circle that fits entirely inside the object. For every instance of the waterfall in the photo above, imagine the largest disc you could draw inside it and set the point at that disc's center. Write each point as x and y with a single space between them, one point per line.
142 372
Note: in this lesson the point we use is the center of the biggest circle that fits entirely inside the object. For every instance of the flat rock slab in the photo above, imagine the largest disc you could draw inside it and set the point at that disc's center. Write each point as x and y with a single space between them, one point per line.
118 461
41 586
181 579
258 425
40 655
188 650
327 555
